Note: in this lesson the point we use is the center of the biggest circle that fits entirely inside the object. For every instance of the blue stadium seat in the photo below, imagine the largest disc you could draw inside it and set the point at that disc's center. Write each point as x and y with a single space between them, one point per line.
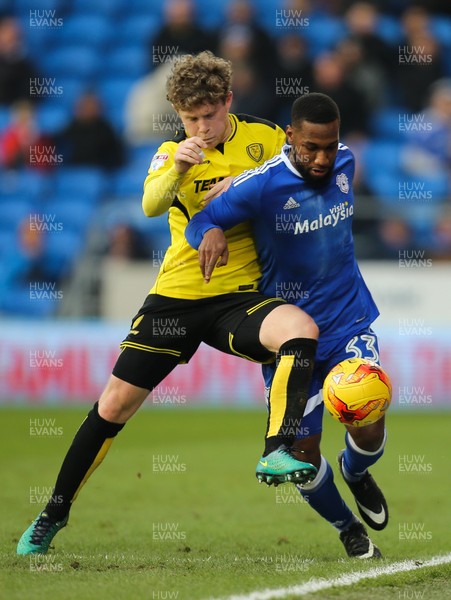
127 60
72 61
441 30
144 9
94 30
210 18
389 29
381 157
14 213
16 301
37 39
70 214
138 27
23 185
24 6
116 117
61 251
8 240
385 186
31 185
87 183
384 124
113 93
322 33
123 211
140 155
157 232
266 16
129 182
5 118
53 116
110 8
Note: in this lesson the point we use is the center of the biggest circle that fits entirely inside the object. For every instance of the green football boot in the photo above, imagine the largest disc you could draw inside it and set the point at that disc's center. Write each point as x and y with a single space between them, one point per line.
37 538
280 466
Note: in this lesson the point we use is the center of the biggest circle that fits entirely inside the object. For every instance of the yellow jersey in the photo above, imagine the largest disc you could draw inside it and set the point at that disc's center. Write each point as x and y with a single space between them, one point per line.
252 141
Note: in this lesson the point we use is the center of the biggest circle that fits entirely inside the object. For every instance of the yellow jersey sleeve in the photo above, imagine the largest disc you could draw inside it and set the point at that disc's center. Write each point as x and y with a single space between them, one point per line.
251 142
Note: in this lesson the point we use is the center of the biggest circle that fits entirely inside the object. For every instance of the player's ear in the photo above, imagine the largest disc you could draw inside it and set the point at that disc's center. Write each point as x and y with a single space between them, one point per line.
289 132
229 98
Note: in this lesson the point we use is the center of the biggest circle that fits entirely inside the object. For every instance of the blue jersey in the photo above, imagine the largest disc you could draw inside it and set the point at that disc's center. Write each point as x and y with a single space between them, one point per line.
303 234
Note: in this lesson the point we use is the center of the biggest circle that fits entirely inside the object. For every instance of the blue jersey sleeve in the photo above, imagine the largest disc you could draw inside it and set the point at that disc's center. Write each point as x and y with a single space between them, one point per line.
239 203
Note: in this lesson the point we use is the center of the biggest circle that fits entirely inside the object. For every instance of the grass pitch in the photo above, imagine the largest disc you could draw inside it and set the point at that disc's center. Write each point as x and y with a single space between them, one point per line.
175 511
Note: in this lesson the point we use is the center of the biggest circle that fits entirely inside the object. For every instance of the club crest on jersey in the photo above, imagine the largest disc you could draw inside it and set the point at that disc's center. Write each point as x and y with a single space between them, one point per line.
158 161
255 151
342 182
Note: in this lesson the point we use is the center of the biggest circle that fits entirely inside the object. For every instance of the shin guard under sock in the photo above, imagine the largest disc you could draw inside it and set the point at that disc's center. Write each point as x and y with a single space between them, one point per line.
289 391
88 449
323 496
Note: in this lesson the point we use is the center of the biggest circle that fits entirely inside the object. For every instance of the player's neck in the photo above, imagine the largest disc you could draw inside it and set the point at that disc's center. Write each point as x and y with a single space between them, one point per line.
228 130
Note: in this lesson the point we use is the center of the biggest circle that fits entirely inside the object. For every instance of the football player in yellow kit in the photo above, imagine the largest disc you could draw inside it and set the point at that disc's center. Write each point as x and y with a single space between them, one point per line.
181 310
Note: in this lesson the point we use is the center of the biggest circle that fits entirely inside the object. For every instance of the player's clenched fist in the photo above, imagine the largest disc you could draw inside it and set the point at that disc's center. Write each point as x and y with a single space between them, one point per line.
189 153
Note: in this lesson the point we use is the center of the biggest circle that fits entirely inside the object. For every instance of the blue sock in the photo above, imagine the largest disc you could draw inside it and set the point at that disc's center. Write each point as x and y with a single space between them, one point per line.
356 461
323 496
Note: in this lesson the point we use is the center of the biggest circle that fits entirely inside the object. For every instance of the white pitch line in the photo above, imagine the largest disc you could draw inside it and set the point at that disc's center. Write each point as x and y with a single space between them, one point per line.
316 585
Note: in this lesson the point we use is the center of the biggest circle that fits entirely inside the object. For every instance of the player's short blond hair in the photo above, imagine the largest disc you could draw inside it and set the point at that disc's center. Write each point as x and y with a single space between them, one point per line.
198 79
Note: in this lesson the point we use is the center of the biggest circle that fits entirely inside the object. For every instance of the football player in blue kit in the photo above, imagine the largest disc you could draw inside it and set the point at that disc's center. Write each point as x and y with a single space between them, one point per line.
300 204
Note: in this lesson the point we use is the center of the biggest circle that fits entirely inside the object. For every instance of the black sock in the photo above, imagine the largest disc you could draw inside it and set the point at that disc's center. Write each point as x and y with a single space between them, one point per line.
289 392
88 448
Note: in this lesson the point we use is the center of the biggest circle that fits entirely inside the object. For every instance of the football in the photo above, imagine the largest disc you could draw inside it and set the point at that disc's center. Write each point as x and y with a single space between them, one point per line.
357 392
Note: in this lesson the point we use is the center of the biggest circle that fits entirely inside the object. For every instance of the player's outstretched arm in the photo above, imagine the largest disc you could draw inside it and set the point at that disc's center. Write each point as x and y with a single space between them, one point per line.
225 211
217 189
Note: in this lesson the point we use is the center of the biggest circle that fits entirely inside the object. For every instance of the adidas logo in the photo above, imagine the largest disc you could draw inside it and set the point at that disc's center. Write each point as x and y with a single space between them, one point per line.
291 203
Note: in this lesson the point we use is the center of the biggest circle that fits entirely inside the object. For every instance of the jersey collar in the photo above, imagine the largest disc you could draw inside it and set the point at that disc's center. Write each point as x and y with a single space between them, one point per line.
284 154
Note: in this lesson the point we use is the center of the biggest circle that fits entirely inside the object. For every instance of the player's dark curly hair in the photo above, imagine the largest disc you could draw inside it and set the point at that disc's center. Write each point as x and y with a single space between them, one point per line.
198 79
314 108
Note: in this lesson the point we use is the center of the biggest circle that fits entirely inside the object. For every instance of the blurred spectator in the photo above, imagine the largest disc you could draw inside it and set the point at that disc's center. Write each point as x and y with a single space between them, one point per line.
22 144
420 64
368 78
179 34
330 78
420 60
16 69
250 95
395 235
127 243
240 19
89 139
25 263
293 75
149 117
236 45
362 21
415 20
428 148
299 7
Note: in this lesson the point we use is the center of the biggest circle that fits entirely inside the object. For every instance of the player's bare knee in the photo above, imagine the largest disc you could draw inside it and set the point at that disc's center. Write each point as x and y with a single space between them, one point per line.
120 400
304 326
368 438
285 323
